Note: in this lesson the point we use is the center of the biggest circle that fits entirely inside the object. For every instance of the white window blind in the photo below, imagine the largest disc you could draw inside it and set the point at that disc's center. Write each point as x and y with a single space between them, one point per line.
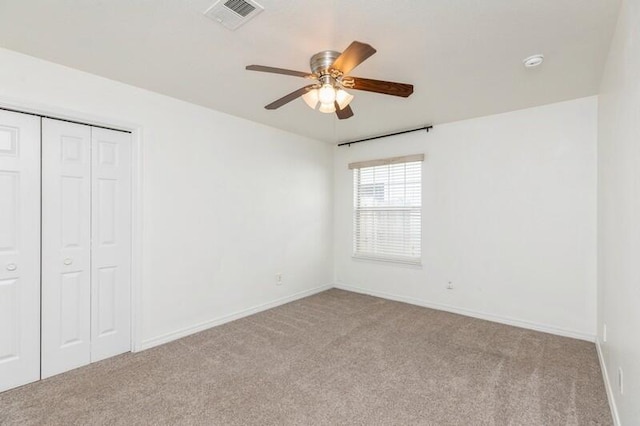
388 209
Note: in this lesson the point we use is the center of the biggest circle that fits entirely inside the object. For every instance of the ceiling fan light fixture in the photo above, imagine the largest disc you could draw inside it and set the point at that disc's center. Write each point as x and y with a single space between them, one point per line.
343 98
327 108
330 73
311 98
327 94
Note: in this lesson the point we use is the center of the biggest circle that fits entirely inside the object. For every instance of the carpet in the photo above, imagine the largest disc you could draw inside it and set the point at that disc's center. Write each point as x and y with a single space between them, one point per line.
333 358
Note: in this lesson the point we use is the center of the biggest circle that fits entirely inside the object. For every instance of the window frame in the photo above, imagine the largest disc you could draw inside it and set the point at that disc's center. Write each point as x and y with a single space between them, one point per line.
412 209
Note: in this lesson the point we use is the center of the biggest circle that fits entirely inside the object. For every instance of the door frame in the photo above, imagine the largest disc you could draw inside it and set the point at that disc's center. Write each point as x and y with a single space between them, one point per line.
136 130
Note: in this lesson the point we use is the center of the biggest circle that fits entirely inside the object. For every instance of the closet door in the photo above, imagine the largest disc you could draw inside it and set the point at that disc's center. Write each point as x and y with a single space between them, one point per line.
66 246
111 244
19 249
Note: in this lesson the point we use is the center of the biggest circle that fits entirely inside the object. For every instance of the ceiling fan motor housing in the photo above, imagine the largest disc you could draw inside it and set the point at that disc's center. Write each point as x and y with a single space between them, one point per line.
321 62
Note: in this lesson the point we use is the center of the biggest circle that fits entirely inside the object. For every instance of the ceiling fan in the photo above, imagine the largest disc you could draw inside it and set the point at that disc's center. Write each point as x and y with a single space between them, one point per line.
330 70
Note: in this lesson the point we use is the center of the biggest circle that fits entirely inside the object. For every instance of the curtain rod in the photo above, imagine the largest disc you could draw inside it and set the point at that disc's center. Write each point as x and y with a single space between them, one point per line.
427 128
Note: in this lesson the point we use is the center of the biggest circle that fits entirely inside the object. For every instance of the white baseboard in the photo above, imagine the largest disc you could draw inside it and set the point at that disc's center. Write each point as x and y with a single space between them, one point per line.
183 332
475 314
177 334
607 386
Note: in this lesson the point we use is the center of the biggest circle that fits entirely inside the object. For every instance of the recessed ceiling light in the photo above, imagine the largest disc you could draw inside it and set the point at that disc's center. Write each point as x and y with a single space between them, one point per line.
533 61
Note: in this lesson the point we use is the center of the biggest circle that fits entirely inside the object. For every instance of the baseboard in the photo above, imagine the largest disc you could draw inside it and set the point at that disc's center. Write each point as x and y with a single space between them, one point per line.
607 386
177 334
475 314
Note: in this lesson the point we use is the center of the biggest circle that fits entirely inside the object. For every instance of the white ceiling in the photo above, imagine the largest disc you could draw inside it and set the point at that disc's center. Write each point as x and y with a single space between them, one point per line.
464 57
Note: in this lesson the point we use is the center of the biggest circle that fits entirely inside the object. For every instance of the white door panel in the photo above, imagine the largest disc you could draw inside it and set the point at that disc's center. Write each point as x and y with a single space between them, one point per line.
19 249
111 243
66 246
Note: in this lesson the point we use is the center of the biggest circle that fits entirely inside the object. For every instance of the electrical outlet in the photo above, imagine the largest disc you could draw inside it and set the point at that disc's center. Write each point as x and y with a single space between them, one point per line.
620 381
604 333
279 278
449 285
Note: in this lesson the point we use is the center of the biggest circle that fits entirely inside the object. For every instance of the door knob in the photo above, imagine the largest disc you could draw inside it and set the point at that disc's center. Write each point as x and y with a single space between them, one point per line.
12 267
68 261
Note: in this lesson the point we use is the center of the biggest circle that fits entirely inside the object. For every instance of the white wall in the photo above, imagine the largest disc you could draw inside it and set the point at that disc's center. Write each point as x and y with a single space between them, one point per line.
227 203
619 214
509 216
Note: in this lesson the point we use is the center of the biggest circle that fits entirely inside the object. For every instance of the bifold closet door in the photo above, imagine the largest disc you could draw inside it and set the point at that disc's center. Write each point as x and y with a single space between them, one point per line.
111 243
19 249
66 246
86 245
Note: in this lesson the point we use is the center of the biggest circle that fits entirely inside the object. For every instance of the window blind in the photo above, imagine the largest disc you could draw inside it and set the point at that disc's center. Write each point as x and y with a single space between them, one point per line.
388 209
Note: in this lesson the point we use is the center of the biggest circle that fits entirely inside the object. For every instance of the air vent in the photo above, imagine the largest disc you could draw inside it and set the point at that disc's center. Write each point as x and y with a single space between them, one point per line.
233 13
240 7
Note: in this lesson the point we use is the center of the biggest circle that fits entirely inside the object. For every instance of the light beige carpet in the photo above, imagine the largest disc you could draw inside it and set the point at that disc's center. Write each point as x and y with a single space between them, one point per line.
333 358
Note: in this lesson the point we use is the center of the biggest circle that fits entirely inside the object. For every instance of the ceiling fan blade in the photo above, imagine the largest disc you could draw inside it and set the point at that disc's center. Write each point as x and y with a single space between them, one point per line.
345 113
290 97
273 70
384 87
353 56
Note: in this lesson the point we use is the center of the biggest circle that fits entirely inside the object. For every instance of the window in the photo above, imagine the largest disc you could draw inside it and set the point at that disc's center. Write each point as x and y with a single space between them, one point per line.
387 209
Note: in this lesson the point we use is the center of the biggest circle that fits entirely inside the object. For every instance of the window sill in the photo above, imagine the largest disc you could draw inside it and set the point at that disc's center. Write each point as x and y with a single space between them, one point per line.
404 262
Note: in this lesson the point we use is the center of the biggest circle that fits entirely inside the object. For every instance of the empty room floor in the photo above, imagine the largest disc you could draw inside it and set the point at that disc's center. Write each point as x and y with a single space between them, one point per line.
333 358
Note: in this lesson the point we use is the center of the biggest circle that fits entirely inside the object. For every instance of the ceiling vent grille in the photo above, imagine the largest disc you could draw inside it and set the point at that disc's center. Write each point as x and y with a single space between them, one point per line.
233 13
240 7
